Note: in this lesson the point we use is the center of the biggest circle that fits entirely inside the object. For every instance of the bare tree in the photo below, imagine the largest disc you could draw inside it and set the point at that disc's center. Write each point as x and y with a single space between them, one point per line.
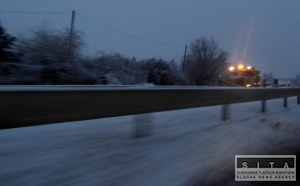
47 58
268 76
159 72
204 62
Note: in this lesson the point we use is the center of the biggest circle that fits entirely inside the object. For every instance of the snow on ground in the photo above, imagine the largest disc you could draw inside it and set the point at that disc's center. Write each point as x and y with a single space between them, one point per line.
188 147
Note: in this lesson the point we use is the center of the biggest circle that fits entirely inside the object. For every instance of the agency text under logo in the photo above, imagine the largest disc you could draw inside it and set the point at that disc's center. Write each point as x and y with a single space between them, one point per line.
265 168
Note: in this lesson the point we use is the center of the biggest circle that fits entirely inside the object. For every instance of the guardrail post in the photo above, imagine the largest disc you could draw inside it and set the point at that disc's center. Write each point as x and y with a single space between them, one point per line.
225 112
263 106
142 125
285 102
298 100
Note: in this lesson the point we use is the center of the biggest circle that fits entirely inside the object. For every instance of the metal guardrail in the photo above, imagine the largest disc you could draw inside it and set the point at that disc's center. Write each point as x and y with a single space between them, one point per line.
36 105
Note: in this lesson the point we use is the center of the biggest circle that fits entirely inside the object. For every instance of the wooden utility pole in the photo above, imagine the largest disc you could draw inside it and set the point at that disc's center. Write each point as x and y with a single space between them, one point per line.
184 58
72 30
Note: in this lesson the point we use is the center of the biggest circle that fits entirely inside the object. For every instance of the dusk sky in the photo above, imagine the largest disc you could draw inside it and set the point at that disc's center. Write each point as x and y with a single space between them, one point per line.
263 33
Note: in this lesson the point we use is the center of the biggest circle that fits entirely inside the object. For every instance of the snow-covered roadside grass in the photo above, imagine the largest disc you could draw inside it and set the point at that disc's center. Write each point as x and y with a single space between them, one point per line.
276 132
191 146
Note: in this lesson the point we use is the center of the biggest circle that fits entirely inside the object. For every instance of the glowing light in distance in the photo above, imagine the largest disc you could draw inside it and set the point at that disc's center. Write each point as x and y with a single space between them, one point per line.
240 67
231 68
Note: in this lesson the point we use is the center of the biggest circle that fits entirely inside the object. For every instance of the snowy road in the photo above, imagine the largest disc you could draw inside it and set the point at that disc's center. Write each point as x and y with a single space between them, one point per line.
189 147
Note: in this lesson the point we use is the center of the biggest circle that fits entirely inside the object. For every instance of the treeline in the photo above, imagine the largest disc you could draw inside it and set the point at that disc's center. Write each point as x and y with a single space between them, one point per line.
53 57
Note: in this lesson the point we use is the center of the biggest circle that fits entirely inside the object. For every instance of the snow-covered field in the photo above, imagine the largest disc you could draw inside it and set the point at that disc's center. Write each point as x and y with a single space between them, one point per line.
188 147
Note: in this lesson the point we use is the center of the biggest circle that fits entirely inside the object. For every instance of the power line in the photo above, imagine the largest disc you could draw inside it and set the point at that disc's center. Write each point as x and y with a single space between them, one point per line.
24 12
128 35
97 23
31 65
